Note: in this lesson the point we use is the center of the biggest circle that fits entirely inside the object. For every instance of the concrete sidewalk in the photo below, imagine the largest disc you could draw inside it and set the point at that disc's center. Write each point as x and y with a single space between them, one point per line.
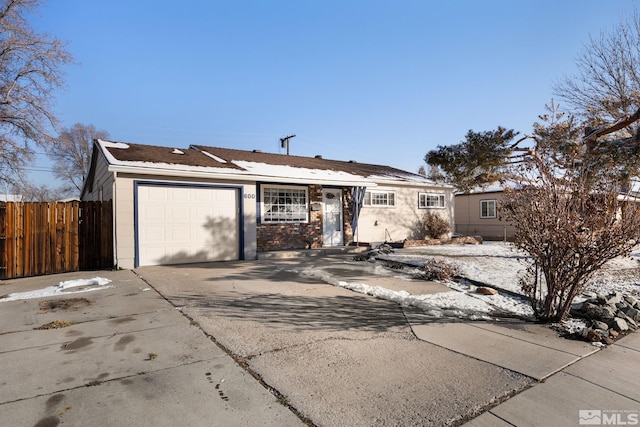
337 357
128 359
604 385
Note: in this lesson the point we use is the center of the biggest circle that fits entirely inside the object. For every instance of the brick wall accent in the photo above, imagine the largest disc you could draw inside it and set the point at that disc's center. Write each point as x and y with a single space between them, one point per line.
282 236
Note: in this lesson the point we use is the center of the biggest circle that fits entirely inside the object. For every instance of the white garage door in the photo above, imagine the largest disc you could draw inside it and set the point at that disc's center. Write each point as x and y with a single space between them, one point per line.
178 225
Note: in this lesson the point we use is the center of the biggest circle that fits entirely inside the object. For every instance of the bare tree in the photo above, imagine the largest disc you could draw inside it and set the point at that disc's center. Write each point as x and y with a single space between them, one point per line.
36 193
570 212
607 83
30 71
71 154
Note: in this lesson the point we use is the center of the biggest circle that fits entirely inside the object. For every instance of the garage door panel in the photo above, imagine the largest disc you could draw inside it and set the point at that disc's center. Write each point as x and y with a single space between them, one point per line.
178 234
154 214
201 196
187 224
178 214
153 234
155 193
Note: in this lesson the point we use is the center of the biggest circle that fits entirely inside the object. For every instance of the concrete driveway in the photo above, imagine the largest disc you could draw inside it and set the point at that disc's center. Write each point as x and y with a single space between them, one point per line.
342 358
265 343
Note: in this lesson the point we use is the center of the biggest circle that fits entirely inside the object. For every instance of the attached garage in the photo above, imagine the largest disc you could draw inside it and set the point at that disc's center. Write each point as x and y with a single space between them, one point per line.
178 224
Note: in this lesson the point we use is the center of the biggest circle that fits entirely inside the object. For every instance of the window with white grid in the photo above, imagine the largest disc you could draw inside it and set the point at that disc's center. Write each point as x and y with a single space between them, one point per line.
379 198
429 201
285 204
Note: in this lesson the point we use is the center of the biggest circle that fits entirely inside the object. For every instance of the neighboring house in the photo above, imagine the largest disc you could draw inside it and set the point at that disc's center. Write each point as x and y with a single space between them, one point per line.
477 214
205 203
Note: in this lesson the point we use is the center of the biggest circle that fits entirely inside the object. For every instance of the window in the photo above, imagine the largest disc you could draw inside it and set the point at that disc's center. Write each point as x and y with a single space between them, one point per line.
426 201
284 204
380 198
487 208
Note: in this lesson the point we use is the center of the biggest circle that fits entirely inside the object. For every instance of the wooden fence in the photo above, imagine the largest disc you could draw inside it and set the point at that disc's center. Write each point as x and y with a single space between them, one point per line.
54 237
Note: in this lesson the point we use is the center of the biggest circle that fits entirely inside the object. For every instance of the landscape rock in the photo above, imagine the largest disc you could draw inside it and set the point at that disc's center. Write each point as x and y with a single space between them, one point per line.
621 305
486 291
597 324
608 315
620 324
593 336
425 242
593 311
630 322
468 240
371 255
633 302
606 340
614 298
632 313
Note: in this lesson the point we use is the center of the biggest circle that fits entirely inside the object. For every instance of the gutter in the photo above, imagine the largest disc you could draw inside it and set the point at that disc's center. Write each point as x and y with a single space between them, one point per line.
240 177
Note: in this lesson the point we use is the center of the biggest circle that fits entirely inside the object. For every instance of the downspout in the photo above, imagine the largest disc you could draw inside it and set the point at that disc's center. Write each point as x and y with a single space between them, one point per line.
113 220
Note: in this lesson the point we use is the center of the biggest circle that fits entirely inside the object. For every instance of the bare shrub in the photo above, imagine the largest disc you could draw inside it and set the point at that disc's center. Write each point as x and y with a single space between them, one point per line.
572 207
435 226
569 238
572 217
435 269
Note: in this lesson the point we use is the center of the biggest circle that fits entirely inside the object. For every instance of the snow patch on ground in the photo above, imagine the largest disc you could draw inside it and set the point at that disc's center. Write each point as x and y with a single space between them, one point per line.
62 288
461 302
496 264
443 304
501 265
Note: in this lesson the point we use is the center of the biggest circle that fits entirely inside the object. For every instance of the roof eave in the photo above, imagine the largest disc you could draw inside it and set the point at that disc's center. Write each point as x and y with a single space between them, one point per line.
238 176
420 184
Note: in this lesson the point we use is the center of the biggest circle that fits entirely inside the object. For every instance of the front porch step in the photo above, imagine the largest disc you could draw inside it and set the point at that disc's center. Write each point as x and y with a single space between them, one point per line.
298 253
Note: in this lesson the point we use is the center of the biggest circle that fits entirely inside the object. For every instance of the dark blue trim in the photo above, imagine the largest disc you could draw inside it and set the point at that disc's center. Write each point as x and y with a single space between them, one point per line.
258 204
240 205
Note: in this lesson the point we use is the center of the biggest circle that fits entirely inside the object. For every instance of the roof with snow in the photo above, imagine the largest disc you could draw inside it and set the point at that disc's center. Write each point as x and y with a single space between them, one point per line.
494 187
257 165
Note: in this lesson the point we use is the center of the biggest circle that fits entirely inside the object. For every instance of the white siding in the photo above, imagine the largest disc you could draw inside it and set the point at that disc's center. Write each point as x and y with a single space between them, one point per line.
395 224
102 188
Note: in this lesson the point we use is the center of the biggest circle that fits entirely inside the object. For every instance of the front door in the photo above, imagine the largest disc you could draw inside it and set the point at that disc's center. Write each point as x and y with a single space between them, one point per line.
332 217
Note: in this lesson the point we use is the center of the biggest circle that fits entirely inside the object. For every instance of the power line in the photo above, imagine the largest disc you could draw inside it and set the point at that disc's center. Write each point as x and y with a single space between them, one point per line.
37 169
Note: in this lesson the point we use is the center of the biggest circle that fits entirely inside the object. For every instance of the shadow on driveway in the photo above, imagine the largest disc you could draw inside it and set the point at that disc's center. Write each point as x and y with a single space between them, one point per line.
304 313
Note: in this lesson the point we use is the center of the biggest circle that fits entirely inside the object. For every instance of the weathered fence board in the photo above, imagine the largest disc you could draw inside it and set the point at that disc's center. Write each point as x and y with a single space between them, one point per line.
54 237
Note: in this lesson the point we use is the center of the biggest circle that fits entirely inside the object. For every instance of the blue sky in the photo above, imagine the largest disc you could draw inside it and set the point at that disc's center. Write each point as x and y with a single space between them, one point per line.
374 81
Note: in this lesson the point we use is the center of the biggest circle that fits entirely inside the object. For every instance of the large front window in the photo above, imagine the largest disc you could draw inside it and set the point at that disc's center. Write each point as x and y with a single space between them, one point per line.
284 204
379 198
